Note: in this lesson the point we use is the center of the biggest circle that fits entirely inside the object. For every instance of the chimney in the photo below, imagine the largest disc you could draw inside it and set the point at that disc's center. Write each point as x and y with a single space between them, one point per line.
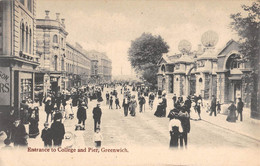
63 21
58 17
47 14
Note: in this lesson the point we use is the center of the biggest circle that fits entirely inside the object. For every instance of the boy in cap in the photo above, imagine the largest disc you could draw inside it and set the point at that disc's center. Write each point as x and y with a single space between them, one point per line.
46 135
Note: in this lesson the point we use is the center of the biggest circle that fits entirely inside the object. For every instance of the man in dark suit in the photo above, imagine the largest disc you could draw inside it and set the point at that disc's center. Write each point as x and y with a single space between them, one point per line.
97 116
213 106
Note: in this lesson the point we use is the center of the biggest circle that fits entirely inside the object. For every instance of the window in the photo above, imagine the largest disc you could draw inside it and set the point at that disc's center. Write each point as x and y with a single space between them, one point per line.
30 41
29 5
177 66
26 41
62 64
22 1
55 39
201 63
55 63
22 37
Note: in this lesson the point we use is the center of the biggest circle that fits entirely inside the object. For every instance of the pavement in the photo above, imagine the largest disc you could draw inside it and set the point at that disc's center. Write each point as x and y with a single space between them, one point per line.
248 127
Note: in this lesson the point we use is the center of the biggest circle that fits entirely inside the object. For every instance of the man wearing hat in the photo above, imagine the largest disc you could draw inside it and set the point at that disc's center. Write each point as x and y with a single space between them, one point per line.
19 135
97 113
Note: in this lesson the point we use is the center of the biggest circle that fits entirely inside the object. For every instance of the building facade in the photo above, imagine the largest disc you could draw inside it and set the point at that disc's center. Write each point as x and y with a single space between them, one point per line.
206 72
101 71
51 45
18 58
78 65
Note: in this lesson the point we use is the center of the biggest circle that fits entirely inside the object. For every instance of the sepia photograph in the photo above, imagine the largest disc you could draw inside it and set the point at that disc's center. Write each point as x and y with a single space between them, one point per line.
129 82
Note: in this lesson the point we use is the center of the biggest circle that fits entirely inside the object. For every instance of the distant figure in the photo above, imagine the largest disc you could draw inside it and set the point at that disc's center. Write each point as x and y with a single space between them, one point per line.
46 135
82 116
107 98
232 113
132 106
141 102
125 105
111 103
240 106
218 107
33 126
213 106
174 98
117 103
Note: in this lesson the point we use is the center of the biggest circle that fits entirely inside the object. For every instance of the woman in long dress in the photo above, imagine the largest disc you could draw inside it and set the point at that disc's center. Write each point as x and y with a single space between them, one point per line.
33 120
232 113
159 110
132 105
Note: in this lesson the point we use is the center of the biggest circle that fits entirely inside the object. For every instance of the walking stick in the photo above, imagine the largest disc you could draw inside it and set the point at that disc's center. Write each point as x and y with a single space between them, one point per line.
144 107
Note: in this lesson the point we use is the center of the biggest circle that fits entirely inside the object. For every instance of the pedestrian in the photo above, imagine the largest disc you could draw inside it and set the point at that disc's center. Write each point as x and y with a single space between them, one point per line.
132 106
151 100
164 105
48 109
141 102
111 103
117 103
213 106
240 106
46 135
125 105
184 117
218 105
58 100
174 98
82 116
232 113
33 123
107 98
175 129
58 130
97 138
40 98
19 135
69 113
97 113
9 122
198 109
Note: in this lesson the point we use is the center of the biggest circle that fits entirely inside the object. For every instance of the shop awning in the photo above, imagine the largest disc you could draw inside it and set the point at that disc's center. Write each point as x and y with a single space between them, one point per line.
235 78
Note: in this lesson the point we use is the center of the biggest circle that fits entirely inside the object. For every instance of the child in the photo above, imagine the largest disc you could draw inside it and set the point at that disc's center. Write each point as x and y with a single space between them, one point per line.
69 111
7 143
117 103
97 138
218 107
111 102
46 135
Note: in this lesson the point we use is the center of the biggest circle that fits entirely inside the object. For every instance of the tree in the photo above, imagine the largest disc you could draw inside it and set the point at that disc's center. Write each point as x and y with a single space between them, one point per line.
144 54
247 26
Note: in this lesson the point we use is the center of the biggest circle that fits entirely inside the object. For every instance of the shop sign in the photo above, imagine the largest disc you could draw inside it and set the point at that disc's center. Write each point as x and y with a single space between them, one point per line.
4 86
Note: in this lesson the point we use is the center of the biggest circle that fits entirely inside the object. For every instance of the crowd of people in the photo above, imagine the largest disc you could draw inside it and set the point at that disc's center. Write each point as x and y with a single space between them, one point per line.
74 103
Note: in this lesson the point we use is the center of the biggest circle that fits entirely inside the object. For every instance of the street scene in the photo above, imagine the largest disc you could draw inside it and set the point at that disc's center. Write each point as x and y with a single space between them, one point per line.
129 83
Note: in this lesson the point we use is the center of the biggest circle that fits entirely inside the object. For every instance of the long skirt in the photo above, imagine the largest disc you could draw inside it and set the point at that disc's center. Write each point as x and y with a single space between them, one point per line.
33 129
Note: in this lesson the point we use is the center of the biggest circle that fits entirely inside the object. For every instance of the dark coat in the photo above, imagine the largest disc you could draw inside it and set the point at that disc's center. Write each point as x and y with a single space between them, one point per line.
240 106
19 135
124 103
58 130
48 108
81 114
97 113
46 135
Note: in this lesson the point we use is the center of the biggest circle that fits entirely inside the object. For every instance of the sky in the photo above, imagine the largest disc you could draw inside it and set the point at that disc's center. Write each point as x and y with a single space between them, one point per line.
110 25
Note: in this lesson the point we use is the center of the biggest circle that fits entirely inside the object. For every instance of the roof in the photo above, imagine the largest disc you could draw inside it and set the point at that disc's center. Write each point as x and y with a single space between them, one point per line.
209 53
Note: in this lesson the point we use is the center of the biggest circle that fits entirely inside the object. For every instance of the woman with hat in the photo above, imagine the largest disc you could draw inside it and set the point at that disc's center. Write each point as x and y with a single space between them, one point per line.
132 105
33 123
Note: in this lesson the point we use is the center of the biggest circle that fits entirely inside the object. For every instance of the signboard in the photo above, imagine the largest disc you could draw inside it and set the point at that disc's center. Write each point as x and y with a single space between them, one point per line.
5 86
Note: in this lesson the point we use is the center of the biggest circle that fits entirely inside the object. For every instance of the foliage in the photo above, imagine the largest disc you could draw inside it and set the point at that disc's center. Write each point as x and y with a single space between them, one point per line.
247 26
144 54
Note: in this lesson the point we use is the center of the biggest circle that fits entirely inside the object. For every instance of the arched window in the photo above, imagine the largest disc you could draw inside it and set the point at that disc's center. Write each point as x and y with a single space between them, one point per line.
233 62
22 37
55 39
55 63
30 41
27 39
